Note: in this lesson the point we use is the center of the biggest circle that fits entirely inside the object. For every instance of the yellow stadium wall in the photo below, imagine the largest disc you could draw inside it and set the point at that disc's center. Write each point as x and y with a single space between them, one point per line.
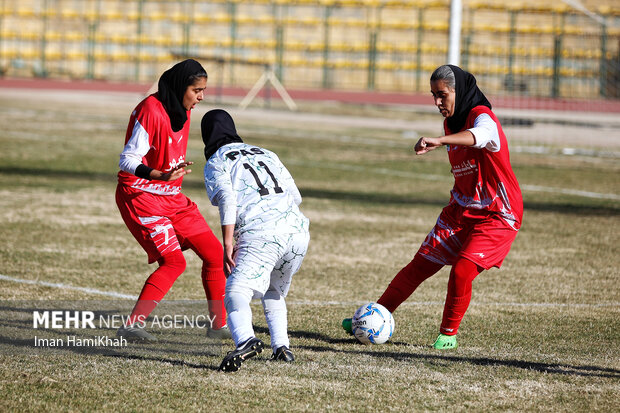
514 48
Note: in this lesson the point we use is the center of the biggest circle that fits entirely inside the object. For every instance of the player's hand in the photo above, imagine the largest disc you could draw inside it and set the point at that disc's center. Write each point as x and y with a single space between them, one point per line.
229 262
425 145
177 172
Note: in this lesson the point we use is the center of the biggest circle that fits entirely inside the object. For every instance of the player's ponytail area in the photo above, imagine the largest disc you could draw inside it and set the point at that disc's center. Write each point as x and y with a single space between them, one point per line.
540 334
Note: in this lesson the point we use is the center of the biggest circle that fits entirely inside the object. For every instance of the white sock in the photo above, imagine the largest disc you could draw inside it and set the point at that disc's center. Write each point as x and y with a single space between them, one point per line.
275 314
237 303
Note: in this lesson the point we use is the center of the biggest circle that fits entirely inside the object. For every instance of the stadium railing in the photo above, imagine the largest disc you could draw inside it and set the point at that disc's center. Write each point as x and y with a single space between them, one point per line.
525 48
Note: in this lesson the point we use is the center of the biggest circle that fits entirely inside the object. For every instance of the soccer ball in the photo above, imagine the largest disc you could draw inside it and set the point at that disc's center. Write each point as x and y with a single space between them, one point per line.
372 323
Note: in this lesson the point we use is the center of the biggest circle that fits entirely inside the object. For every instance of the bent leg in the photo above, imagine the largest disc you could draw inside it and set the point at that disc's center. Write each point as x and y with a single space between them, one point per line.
459 294
274 304
407 280
209 249
157 285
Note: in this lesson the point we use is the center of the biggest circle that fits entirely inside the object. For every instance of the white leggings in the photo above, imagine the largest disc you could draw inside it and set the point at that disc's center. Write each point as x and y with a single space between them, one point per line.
264 268
237 301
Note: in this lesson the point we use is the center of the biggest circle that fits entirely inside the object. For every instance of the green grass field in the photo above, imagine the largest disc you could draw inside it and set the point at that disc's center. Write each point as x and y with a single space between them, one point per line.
541 334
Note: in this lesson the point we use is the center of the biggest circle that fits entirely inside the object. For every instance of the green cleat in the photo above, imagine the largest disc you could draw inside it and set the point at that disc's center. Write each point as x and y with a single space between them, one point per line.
445 342
347 325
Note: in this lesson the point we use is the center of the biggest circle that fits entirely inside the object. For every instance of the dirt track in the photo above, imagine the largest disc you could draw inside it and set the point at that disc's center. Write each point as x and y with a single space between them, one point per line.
585 130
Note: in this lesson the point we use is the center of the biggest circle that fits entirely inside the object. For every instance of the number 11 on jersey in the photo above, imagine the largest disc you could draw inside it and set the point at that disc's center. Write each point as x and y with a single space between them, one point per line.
262 190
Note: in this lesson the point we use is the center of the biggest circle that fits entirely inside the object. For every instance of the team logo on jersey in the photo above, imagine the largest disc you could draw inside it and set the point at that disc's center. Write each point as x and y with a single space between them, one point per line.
174 163
465 168
232 155
169 140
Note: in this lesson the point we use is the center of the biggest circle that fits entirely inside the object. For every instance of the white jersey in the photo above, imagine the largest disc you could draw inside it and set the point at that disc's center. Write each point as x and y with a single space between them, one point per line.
254 191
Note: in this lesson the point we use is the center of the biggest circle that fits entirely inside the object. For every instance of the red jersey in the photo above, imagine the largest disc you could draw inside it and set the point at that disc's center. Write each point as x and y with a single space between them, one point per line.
484 180
151 141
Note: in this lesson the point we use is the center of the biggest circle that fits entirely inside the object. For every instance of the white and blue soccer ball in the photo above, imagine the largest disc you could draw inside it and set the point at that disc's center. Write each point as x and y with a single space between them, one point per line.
372 323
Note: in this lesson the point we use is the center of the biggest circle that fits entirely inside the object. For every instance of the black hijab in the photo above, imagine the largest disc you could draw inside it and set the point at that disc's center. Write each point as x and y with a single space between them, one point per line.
468 96
172 86
218 129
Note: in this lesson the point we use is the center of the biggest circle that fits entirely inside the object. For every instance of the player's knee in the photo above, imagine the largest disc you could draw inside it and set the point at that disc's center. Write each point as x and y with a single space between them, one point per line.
235 297
272 294
174 262
213 271
465 270
213 255
209 249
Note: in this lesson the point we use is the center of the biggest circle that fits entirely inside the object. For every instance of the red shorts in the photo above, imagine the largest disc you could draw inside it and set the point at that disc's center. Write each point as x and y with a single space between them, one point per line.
160 223
484 240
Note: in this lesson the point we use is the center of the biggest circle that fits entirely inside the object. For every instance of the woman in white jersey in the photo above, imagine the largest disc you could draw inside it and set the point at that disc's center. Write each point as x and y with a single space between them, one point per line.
265 235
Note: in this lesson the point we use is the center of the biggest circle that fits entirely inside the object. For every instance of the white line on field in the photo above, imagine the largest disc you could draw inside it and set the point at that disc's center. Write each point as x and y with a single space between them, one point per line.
308 302
431 177
68 287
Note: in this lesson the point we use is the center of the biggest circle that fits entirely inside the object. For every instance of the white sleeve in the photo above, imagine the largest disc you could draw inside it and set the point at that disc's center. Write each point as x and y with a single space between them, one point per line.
286 180
295 193
220 190
290 186
136 148
485 133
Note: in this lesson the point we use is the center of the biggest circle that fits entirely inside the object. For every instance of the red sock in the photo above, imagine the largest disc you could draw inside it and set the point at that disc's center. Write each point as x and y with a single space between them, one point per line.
157 285
459 295
209 249
214 283
407 280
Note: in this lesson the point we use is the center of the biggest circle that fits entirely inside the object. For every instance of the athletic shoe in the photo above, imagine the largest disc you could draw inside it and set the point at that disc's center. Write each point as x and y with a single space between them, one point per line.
133 333
249 349
283 354
219 333
347 325
445 342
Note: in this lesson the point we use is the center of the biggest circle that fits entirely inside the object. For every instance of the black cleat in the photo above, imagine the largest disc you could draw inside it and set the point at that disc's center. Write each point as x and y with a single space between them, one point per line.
249 349
283 354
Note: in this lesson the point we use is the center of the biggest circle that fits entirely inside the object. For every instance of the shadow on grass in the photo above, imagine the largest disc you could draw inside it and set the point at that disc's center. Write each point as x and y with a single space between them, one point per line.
312 335
568 208
174 362
59 173
153 352
548 368
371 197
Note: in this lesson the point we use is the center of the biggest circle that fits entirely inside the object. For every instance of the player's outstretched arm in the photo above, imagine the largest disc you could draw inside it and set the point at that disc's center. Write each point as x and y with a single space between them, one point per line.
425 145
464 138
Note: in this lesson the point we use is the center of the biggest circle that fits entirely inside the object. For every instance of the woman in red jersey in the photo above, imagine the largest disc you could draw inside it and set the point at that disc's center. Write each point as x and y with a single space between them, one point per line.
162 219
476 230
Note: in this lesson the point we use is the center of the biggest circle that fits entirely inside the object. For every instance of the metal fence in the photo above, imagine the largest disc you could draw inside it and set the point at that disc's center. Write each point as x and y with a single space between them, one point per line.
527 49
